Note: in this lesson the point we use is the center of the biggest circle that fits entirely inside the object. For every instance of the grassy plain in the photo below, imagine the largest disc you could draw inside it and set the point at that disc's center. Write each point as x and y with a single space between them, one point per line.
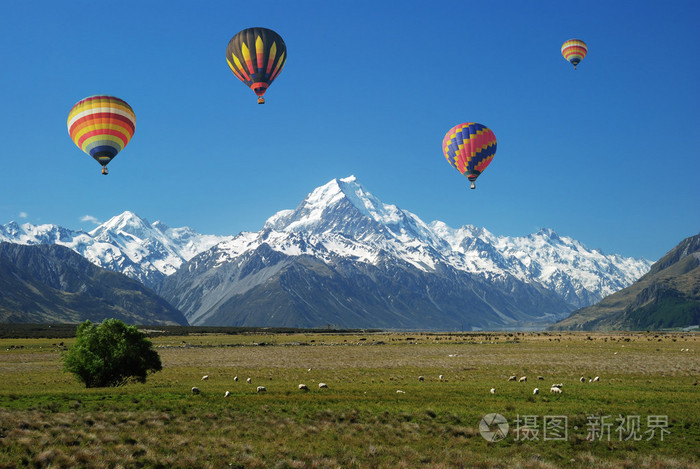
48 420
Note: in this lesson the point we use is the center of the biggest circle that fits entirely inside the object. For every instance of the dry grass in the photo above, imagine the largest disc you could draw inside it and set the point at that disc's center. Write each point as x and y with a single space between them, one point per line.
48 420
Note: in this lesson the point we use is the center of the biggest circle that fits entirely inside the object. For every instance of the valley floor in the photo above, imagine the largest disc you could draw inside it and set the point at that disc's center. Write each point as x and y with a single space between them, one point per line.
642 412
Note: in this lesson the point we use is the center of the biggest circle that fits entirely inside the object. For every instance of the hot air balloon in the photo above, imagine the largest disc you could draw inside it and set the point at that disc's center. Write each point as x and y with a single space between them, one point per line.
469 148
256 56
101 126
574 50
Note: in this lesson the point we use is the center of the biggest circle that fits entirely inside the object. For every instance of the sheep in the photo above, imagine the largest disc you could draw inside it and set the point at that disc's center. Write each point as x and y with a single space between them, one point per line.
536 391
248 380
421 378
440 377
596 379
226 394
513 378
582 379
522 379
555 389
195 390
261 389
303 387
205 377
493 391
235 378
398 391
560 385
322 385
541 378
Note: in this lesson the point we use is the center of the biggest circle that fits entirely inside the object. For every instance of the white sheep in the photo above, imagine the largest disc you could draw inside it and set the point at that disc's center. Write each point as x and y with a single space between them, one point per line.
195 390
261 389
536 391
555 389
226 394
421 378
493 391
522 379
235 378
582 379
248 380
541 378
303 387
596 379
513 378
205 377
440 377
322 385
398 391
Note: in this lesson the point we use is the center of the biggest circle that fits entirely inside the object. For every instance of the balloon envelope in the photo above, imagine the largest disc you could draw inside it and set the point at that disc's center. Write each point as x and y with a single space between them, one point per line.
256 56
101 126
574 50
469 148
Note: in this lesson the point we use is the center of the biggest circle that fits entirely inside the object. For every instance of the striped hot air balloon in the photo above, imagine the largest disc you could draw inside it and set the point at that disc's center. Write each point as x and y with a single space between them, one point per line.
101 126
256 56
574 50
469 148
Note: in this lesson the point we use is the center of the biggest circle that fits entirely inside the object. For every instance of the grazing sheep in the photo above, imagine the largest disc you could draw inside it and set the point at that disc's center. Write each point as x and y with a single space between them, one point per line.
235 378
248 380
536 391
261 389
440 377
512 378
555 389
596 379
205 377
493 391
226 394
322 385
583 380
522 379
420 378
195 390
303 387
541 378
560 385
398 391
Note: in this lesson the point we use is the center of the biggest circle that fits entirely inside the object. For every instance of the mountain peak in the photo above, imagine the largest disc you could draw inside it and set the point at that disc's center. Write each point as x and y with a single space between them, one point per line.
127 222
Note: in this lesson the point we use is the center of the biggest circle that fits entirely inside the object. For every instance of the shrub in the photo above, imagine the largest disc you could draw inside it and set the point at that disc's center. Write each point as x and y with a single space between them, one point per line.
110 354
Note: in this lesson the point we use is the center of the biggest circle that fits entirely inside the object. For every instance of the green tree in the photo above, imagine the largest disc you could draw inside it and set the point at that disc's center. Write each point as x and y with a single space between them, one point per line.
110 354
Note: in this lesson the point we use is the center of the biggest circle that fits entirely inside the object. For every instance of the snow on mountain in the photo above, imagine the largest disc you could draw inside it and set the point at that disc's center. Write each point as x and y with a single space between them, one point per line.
342 220
126 243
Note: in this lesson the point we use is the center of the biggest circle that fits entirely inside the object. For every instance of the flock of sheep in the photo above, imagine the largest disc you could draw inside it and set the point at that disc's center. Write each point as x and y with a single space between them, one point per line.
555 388
259 389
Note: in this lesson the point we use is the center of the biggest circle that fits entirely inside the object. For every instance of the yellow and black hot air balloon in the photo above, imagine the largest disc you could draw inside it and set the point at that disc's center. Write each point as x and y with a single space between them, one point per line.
574 50
256 56
101 126
469 148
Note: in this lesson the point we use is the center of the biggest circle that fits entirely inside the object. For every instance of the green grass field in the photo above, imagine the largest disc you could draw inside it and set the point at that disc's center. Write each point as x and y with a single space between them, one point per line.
644 411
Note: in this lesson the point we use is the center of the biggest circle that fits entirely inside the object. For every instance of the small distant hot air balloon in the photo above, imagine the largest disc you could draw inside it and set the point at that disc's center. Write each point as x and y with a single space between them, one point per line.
256 56
574 50
469 148
101 126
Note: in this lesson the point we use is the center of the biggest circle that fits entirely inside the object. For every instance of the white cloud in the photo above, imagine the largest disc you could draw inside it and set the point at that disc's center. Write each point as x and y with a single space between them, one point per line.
23 214
91 219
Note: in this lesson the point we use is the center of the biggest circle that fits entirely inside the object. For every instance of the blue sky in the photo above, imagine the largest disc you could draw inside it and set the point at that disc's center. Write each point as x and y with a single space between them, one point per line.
606 154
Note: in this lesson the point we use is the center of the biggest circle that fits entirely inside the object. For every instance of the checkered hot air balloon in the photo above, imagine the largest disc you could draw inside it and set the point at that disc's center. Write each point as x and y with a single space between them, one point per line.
469 148
101 126
574 50
256 56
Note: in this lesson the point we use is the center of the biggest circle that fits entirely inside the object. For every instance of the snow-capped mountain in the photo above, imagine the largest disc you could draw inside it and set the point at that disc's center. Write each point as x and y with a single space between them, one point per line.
344 249
126 243
344 257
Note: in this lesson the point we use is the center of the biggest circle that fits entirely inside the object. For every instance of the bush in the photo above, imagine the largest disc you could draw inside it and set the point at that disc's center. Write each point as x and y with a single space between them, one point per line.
110 354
